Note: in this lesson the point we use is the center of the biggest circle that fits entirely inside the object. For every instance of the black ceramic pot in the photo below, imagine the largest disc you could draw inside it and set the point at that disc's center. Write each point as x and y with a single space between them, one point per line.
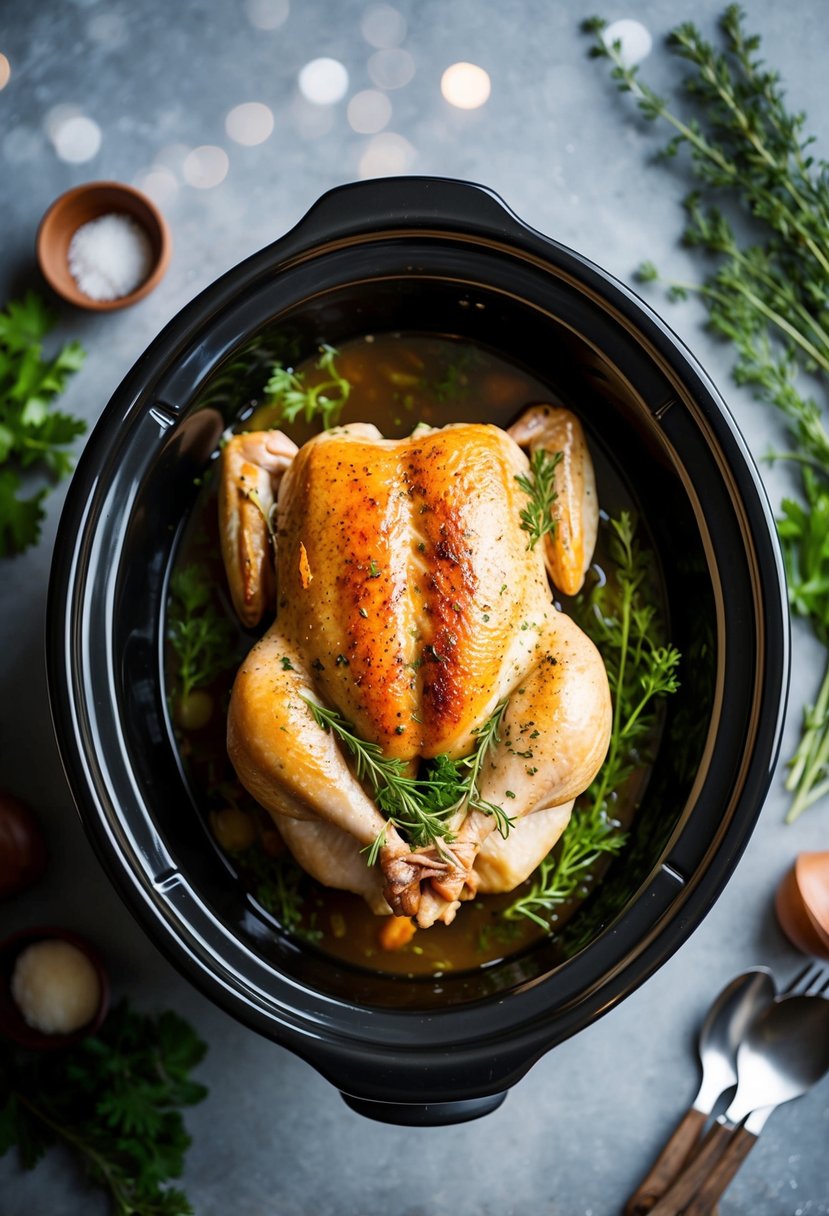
416 254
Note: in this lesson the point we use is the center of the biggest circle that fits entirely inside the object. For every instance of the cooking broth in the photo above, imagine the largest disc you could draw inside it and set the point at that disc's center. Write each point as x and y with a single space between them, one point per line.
395 382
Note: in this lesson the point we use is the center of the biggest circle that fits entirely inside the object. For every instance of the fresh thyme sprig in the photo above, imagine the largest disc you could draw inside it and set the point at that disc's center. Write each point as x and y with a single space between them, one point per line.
622 618
287 390
537 517
768 298
200 635
420 807
278 884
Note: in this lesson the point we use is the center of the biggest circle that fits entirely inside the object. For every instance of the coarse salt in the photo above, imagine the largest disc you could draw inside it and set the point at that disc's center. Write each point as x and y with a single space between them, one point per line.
110 257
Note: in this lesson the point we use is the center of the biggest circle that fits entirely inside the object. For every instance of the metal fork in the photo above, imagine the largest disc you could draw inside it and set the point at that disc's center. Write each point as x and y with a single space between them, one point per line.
813 980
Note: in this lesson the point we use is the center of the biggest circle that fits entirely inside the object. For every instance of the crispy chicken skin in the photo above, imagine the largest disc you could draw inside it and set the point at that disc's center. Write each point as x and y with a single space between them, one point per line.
407 599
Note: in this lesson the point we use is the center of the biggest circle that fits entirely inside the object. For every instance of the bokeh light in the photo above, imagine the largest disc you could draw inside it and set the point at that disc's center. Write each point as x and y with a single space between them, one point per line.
323 81
386 155
57 116
5 71
205 167
159 183
75 137
465 85
250 123
634 40
267 14
391 69
382 26
369 111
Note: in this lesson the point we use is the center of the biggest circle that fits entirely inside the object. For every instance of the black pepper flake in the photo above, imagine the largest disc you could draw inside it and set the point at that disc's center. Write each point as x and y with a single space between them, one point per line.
341 660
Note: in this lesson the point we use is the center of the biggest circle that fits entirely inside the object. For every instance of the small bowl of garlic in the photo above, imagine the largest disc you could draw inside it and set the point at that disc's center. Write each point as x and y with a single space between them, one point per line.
54 989
103 246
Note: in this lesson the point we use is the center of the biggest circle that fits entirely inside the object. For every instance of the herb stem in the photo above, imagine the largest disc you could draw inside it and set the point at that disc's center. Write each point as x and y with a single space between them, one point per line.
810 761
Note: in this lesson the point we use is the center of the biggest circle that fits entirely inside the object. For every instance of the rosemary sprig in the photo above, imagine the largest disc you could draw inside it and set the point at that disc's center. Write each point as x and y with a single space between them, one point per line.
422 807
537 517
622 618
768 299
396 793
288 390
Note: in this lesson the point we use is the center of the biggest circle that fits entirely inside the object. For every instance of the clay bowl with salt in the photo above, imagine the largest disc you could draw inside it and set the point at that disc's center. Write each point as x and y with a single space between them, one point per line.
103 245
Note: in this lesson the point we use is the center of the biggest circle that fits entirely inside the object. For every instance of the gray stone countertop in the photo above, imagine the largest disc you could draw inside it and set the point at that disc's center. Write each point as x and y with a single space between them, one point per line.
152 81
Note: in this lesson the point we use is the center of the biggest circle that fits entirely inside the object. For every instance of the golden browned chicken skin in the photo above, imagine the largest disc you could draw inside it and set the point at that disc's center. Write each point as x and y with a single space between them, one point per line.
409 600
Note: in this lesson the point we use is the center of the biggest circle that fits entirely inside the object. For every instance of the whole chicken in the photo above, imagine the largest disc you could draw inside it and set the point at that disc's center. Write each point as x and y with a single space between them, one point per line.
411 600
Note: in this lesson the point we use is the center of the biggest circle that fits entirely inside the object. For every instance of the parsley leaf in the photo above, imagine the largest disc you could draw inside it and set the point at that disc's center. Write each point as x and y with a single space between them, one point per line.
293 397
32 435
114 1101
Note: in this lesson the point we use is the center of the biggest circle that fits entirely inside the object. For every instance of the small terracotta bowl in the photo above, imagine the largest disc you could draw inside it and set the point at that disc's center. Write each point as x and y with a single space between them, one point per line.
802 904
12 1023
89 202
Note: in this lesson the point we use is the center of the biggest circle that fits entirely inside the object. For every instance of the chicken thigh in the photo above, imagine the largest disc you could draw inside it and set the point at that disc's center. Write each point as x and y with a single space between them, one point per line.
410 600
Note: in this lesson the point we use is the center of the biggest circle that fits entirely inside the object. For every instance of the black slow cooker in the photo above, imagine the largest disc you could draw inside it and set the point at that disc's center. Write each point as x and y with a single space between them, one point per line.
420 255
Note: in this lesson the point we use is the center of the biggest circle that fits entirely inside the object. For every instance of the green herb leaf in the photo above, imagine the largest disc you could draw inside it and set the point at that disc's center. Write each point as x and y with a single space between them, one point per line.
200 634
294 398
418 807
767 298
622 617
32 435
537 517
114 1101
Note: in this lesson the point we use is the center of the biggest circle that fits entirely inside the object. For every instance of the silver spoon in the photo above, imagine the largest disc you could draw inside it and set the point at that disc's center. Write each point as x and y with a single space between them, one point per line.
784 1053
727 1021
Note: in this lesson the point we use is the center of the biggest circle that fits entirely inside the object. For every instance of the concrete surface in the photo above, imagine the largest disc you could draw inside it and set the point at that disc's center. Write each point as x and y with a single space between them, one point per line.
574 160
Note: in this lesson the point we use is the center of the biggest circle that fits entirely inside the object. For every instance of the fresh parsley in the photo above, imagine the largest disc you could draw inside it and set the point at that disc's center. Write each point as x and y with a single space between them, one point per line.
33 435
294 398
767 297
622 617
114 1100
540 486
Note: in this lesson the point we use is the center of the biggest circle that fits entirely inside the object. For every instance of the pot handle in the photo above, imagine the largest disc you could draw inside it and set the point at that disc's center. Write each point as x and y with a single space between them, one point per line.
408 202
424 1114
